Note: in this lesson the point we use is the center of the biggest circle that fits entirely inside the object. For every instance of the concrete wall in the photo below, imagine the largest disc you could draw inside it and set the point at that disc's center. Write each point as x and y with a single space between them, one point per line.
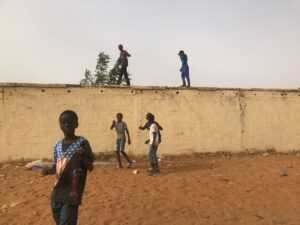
194 120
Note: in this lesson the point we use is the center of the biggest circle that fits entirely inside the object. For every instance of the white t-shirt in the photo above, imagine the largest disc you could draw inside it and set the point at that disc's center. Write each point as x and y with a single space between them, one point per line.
153 129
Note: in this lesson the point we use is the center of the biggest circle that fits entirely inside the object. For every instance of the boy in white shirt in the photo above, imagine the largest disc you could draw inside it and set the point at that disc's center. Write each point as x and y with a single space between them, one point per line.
154 141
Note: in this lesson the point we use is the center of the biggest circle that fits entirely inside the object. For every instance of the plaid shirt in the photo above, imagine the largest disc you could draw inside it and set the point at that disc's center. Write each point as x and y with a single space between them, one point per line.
71 170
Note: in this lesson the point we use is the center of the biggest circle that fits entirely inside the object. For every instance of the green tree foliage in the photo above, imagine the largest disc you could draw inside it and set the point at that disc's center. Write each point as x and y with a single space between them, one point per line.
88 78
113 75
101 74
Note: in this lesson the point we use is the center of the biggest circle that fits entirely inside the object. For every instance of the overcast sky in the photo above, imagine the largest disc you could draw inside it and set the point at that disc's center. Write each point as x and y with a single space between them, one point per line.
230 43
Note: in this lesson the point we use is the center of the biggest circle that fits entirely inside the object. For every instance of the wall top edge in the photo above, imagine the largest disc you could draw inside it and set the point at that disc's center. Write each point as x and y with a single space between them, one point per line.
40 85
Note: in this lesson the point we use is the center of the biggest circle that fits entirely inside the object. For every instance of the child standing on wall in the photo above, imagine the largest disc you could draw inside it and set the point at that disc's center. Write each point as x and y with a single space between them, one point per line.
184 69
123 62
73 157
153 141
121 128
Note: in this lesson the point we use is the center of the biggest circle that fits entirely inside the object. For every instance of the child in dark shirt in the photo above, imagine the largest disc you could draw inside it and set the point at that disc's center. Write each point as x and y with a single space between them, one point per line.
123 62
73 157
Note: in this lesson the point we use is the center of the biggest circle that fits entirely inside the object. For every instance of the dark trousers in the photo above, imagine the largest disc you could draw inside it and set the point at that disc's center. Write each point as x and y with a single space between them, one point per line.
187 78
185 75
152 156
65 214
123 71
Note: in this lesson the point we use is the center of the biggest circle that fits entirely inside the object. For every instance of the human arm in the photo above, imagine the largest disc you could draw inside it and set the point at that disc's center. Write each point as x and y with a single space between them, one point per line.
158 132
142 128
127 54
146 126
128 136
159 126
113 124
88 157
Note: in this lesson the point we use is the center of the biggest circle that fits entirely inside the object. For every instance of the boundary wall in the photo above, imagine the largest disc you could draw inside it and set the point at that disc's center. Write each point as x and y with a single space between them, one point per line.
195 120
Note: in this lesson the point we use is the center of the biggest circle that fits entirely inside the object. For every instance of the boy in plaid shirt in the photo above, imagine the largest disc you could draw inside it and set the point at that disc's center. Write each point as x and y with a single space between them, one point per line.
73 157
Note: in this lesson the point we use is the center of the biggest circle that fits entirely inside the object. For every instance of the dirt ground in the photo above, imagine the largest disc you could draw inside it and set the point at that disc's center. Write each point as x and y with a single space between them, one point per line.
250 190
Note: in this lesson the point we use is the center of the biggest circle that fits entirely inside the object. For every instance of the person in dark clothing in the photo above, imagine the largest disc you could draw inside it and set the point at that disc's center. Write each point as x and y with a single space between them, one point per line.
123 62
185 71
73 157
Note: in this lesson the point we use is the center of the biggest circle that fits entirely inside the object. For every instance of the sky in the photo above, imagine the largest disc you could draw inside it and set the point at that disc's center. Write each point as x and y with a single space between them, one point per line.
229 43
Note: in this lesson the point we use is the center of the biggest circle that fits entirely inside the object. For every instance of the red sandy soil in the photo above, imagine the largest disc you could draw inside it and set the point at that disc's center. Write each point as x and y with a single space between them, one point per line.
190 191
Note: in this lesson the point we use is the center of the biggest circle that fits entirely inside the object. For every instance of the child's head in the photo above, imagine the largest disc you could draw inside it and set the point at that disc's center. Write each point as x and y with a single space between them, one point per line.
68 121
120 47
181 52
119 117
150 117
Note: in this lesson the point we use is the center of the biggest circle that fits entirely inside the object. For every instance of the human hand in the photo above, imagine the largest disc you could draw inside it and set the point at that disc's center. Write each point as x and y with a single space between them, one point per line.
147 141
90 167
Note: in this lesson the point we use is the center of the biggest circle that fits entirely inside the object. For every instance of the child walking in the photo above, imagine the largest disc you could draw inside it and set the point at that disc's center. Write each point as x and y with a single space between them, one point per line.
121 128
73 157
123 62
185 71
154 141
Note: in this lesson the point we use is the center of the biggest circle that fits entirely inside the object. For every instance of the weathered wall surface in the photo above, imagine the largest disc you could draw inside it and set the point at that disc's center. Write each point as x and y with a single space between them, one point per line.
194 120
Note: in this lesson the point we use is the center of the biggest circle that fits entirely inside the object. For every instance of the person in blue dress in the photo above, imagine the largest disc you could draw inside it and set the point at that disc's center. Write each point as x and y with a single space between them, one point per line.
185 73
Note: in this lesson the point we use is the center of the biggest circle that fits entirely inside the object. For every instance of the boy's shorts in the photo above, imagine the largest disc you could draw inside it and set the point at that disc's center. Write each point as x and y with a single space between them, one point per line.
120 145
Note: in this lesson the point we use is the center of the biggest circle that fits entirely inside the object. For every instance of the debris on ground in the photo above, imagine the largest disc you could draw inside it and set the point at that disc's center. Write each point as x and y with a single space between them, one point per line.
15 203
3 207
37 165
4 166
284 173
135 171
265 154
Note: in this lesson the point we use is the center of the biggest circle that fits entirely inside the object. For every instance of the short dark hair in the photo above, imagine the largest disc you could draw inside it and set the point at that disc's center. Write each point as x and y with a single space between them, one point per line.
120 46
150 116
180 52
70 113
119 114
